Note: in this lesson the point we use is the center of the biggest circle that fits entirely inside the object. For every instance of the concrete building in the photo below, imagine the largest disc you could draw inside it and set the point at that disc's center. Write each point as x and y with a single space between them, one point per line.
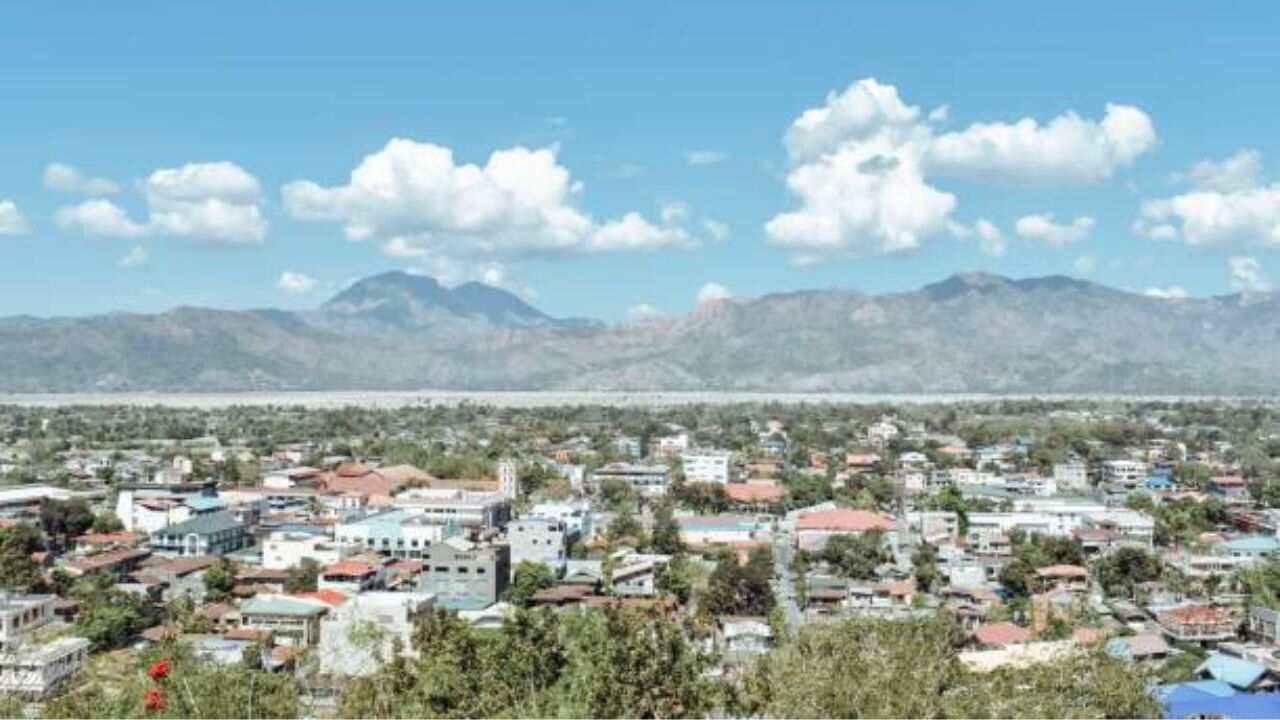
646 480
1071 475
704 465
1124 473
463 575
394 533
284 549
509 479
476 509
539 540
355 635
29 669
292 620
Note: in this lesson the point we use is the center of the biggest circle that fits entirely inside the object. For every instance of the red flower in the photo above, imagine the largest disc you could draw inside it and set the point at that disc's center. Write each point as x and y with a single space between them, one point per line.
153 699
158 670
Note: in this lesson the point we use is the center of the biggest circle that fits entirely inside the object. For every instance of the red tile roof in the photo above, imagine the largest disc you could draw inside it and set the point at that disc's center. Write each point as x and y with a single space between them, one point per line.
844 520
328 596
350 568
754 492
1001 633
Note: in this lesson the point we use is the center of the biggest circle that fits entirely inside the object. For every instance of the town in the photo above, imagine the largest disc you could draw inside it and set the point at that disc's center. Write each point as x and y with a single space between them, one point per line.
678 561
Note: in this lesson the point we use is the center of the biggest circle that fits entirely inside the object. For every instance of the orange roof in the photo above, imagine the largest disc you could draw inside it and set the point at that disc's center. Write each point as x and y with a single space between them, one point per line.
328 596
1001 633
108 538
844 519
1198 614
753 492
350 568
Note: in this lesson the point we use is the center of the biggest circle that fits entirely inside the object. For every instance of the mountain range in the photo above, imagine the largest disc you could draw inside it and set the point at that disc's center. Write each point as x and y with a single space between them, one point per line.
969 333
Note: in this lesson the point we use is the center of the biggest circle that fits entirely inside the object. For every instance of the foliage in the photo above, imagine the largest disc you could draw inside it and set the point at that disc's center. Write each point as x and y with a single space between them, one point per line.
737 589
110 618
303 577
219 580
703 498
18 571
925 562
616 495
65 518
529 578
665 536
1031 552
107 522
856 556
1121 571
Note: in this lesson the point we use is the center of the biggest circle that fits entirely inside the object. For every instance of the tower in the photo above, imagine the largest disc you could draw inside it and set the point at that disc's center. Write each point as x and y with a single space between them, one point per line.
508 479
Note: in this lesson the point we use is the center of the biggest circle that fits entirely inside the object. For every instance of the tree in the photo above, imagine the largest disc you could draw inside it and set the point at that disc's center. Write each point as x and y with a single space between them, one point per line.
737 589
107 522
856 556
665 536
617 495
676 578
18 571
219 580
624 526
925 562
1121 571
303 577
529 578
64 519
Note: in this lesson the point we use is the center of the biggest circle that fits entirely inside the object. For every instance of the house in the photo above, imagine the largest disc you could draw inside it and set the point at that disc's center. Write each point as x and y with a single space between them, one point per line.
119 562
284 549
396 533
814 528
1064 577
1231 488
463 575
33 671
293 620
742 639
1241 674
707 530
1124 473
1139 648
645 479
343 650
351 576
216 533
1000 634
1264 624
1198 623
755 494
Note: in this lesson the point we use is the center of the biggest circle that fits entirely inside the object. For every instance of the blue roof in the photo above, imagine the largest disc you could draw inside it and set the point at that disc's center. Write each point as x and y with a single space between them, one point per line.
1215 698
1234 671
204 502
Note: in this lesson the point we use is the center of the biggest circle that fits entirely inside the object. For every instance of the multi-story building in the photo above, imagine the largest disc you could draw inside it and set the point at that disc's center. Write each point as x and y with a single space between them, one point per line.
1071 475
702 465
539 540
1124 473
509 479
346 648
284 549
646 480
464 575
29 669
394 533
213 534
292 620
476 509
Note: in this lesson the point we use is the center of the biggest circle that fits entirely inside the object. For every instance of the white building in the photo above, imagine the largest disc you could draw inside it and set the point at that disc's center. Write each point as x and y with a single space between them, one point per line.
646 480
539 540
508 479
1071 475
30 669
465 508
358 635
1128 473
284 550
703 465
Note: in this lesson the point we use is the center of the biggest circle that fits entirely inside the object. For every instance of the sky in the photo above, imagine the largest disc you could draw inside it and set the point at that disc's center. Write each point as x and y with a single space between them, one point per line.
621 160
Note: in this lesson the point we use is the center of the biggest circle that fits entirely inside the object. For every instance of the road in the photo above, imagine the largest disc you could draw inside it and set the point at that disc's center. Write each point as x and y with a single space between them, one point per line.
785 585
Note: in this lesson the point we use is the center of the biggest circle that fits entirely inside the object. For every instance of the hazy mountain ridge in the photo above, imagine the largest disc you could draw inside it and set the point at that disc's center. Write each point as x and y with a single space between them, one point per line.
968 333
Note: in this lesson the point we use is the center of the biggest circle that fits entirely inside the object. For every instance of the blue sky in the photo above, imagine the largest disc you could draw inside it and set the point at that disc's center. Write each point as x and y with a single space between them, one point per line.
204 152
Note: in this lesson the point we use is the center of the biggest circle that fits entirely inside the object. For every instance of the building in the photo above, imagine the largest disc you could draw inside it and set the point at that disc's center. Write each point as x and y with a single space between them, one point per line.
705 530
474 509
463 575
291 620
1198 624
814 528
539 540
703 465
20 614
508 479
213 534
1124 473
346 645
394 533
284 549
742 639
1071 475
645 480
30 669
351 576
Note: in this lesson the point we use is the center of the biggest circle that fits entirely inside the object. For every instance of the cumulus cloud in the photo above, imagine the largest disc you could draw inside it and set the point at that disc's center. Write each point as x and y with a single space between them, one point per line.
713 292
644 312
863 166
1228 203
716 229
1044 229
66 178
136 258
991 240
1247 275
415 200
217 203
296 283
12 221
1173 292
1085 264
702 158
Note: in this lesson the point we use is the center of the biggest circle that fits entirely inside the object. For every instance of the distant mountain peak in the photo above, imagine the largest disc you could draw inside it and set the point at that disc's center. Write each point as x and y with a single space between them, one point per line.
409 301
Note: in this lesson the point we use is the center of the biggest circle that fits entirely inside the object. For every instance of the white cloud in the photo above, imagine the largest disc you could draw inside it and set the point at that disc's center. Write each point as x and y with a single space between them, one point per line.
99 217
713 292
863 165
1229 204
1238 172
296 283
1067 149
66 178
644 312
216 203
1085 264
718 230
416 201
991 241
11 220
702 158
1173 292
136 258
1247 275
1044 229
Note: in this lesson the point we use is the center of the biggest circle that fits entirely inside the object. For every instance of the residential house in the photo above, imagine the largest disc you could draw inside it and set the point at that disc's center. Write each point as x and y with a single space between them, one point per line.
703 465
646 480
539 540
814 528
1198 623
212 534
291 620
